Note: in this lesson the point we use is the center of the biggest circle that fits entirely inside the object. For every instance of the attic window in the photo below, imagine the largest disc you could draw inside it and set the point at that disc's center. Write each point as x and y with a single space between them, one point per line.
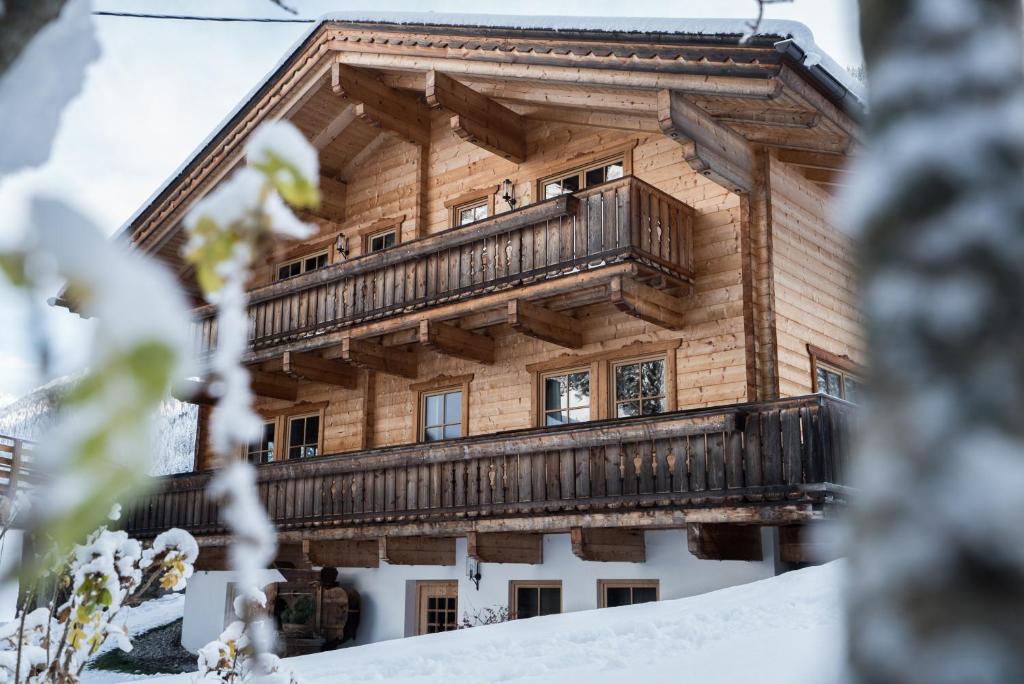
290 269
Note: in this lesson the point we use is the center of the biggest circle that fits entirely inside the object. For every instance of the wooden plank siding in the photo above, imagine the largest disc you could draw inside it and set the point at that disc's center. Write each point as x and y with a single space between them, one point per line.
679 460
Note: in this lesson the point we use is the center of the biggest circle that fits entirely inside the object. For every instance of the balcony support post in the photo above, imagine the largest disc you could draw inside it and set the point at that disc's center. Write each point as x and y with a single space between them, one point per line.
477 118
306 366
608 544
345 553
417 550
646 303
454 341
724 542
376 357
544 324
505 547
382 106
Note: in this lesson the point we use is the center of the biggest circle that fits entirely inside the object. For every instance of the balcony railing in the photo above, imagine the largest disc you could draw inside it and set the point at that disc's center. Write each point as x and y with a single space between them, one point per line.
760 456
612 222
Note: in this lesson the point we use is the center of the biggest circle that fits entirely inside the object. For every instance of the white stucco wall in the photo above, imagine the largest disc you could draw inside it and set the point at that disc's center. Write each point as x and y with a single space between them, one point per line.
206 603
388 593
10 558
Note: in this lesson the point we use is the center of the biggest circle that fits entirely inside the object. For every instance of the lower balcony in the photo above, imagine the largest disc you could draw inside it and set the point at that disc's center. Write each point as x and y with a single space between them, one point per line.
781 462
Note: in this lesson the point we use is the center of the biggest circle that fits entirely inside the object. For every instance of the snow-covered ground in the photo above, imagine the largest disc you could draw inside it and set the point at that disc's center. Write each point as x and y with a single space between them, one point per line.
784 630
138 619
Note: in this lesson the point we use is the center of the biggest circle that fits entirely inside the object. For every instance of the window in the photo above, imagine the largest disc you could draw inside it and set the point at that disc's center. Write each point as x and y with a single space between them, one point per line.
442 415
262 450
437 607
584 177
567 397
472 212
834 375
304 436
640 388
291 269
614 593
381 241
531 599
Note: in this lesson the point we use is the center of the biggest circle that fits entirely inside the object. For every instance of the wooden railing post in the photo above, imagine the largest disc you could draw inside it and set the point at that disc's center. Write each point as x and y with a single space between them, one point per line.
12 480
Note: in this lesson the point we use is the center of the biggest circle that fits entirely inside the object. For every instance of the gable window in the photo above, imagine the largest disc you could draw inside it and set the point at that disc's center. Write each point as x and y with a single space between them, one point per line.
640 387
614 593
834 375
471 212
262 450
583 177
304 436
290 269
382 240
532 599
442 415
567 397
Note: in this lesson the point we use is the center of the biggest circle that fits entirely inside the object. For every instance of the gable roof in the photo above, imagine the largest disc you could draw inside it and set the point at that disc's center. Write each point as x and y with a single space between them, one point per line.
686 43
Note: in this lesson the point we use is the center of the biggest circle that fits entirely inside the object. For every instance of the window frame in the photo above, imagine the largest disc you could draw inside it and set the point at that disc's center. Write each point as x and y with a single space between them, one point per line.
604 584
843 366
319 415
637 360
513 595
474 198
301 260
276 443
393 230
424 586
604 158
442 384
542 400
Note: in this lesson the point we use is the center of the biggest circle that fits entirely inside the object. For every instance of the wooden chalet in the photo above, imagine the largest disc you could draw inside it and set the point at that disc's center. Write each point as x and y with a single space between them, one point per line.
571 289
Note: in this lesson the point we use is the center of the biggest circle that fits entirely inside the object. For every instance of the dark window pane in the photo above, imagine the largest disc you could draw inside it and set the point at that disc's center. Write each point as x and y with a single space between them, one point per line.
579 389
595 176
613 171
453 407
452 431
570 184
652 378
553 393
550 600
526 602
282 273
310 451
312 429
294 452
390 239
617 596
295 432
433 434
644 594
311 264
627 381
653 406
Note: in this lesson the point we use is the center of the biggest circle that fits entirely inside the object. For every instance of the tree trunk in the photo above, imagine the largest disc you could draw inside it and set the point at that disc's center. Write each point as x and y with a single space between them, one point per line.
937 570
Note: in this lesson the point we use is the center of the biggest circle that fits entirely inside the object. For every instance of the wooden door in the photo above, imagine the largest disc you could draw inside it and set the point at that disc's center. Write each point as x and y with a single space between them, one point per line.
438 606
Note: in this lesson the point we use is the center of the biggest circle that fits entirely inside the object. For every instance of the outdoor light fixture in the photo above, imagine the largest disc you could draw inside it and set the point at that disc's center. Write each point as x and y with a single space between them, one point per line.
473 572
341 244
508 193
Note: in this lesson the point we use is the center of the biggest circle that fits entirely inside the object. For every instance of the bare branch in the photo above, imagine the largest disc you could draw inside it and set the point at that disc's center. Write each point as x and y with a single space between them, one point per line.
755 26
286 8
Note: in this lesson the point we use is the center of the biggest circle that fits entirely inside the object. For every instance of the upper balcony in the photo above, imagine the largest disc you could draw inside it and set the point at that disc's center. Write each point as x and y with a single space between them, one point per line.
623 241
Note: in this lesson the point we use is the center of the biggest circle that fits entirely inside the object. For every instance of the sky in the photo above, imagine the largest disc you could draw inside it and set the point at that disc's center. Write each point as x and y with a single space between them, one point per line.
161 87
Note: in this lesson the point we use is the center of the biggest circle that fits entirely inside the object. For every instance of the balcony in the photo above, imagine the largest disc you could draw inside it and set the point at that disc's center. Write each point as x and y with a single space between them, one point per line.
569 248
774 463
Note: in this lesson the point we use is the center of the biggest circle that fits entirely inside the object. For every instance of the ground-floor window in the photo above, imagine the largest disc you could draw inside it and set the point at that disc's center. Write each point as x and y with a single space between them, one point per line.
613 593
533 598
437 607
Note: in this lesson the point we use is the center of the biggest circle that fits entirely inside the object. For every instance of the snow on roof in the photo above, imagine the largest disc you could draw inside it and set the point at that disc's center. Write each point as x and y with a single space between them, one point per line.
794 31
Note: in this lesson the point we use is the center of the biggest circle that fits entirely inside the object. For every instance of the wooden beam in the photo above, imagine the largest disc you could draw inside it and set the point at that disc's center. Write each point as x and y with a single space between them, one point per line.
376 357
274 385
356 162
827 177
505 547
332 199
608 544
799 544
345 553
478 119
382 106
212 558
335 127
544 324
813 160
418 550
725 542
293 555
710 148
307 366
454 341
647 303
773 118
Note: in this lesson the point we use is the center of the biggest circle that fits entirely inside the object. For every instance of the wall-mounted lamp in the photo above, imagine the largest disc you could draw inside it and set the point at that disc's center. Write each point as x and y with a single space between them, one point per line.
473 572
341 245
508 193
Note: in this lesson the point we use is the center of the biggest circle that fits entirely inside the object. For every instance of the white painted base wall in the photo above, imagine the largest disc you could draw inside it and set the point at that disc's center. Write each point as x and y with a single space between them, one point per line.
10 558
388 593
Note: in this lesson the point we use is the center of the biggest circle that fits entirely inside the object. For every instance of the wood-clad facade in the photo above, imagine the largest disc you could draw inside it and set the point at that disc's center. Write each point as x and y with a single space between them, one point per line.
672 227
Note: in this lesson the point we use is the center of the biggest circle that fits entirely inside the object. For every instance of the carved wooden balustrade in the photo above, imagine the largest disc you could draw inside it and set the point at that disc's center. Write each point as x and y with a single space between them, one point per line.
769 462
621 220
